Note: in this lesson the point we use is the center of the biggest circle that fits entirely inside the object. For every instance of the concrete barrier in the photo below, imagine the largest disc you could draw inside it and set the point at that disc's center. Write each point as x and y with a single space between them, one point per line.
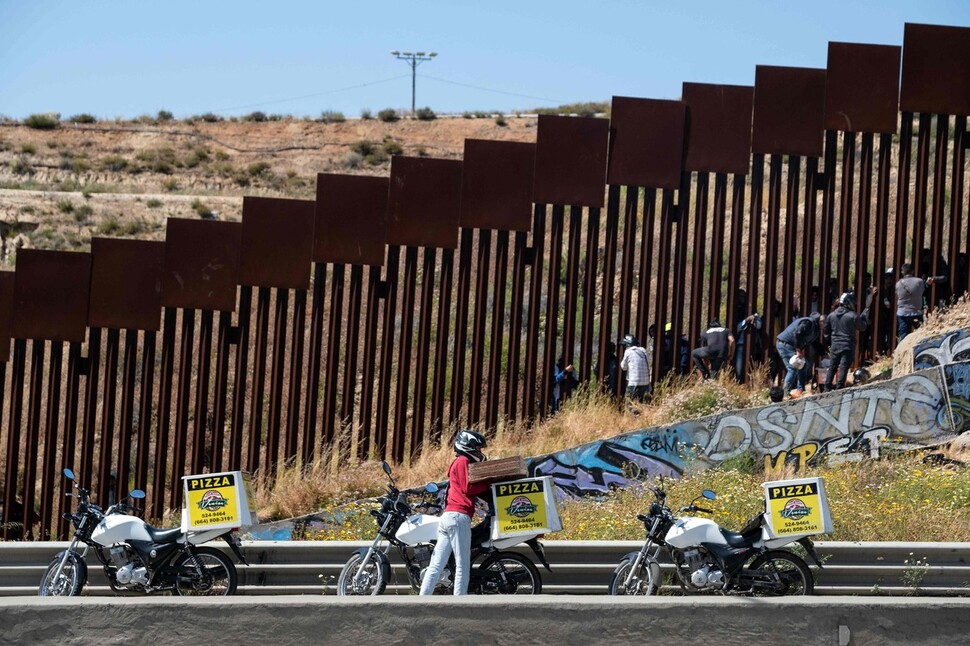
671 621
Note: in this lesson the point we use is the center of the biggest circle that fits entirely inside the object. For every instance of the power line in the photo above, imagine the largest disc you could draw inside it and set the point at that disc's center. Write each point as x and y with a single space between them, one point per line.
485 89
310 96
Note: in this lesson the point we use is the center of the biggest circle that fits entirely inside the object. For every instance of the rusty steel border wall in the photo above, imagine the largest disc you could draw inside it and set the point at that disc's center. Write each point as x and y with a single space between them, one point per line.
389 311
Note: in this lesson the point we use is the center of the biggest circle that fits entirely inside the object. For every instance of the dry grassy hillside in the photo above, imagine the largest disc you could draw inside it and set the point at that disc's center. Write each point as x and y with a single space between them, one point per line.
60 186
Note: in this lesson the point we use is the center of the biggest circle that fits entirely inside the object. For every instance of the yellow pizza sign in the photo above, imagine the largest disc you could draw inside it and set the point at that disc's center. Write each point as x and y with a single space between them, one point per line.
525 507
217 501
797 507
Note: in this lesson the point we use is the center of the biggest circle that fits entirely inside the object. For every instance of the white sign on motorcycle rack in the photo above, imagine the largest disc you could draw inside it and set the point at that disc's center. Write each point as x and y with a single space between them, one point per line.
524 507
797 508
218 501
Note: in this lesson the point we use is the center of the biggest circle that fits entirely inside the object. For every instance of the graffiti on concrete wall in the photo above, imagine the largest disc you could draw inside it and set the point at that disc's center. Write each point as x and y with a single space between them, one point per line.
851 424
952 347
957 377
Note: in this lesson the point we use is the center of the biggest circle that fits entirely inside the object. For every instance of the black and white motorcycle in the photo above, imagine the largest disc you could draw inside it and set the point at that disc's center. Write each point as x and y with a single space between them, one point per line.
138 557
710 559
412 527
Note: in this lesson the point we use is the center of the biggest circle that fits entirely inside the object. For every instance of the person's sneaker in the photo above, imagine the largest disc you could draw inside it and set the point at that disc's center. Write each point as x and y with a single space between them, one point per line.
795 394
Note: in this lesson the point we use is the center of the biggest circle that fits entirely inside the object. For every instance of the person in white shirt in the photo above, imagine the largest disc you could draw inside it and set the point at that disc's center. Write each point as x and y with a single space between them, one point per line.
636 364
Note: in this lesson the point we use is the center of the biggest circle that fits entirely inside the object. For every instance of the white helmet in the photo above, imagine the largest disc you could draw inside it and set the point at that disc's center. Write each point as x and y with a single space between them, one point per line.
470 444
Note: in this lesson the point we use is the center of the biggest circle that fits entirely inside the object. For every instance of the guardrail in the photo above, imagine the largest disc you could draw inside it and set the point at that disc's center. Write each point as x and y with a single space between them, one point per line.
578 567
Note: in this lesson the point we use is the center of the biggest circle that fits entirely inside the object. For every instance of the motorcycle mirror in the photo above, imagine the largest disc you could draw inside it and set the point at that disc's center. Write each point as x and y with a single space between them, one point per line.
68 474
137 493
431 487
386 467
710 495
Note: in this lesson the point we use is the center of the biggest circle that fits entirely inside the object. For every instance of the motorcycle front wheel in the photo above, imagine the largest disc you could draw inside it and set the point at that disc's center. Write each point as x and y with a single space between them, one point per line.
69 583
358 578
521 576
641 583
782 574
217 576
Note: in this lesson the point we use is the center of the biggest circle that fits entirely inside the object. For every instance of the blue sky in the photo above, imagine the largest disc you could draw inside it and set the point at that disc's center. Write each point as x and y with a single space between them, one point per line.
123 59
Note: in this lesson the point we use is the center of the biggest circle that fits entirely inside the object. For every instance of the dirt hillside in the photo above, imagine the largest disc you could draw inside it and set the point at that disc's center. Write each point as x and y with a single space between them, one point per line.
61 186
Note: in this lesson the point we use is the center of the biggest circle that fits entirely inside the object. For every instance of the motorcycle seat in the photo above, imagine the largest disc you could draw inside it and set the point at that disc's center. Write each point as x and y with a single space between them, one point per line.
736 539
164 535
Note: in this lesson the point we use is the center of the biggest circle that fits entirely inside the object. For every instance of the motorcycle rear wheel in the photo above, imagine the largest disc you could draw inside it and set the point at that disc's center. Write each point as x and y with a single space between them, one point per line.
522 575
796 577
369 580
217 580
640 584
71 581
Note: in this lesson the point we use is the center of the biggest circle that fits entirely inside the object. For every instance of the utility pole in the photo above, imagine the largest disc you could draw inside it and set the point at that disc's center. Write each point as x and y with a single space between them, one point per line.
413 59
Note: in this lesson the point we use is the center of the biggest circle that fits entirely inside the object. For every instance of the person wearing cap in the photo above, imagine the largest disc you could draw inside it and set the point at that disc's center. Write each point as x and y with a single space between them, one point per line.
636 364
717 345
794 346
842 329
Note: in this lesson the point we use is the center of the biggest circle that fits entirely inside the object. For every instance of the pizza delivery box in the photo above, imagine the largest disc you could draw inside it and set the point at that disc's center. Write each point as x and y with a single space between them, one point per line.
218 501
797 508
523 507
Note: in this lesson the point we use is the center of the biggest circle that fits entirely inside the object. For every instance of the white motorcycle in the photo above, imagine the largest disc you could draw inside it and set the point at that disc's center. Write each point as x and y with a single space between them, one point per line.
710 559
138 557
413 530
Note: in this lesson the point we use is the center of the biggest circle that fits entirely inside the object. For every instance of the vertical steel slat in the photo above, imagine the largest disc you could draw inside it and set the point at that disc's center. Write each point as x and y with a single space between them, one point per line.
939 210
553 292
921 191
571 300
145 397
221 394
182 400
809 237
296 376
512 394
754 255
351 351
623 323
828 221
109 397
647 236
718 221
445 279
482 267
771 253
845 213
18 375
420 372
679 291
91 397
498 327
387 349
50 474
537 253
31 446
160 475
129 370
404 371
261 333
903 172
461 325
587 330
736 309
370 356
336 316
956 208
667 247
70 429
314 359
277 372
697 325
241 372
863 236
610 244
201 461
883 253
791 237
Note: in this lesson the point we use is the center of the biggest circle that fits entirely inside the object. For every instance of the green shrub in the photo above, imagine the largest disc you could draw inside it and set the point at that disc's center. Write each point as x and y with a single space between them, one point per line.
467 115
257 116
164 115
82 213
198 156
28 149
114 163
158 160
46 121
80 165
257 169
421 151
65 206
210 117
500 121
84 117
366 115
351 160
332 116
202 210
391 147
21 166
153 203
425 114
388 115
222 156
364 147
170 184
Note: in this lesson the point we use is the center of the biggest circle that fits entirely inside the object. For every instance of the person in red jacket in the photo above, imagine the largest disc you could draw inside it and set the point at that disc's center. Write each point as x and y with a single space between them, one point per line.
455 526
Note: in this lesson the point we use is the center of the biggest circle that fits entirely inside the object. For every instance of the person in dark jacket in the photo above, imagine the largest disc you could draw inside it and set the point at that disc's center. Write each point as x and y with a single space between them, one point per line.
798 340
717 346
842 329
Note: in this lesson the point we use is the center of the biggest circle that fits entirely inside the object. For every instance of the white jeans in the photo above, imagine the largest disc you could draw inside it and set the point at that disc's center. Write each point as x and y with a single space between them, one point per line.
454 534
